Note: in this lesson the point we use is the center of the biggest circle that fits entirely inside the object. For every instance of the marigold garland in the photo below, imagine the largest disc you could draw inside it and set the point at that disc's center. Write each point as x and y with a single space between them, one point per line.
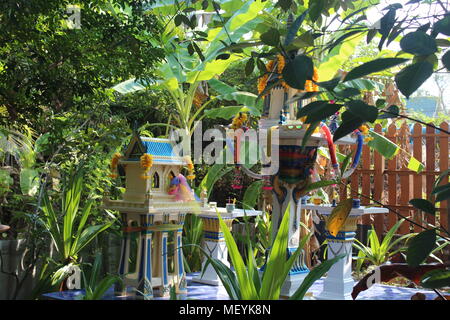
239 120
114 162
365 131
310 86
146 164
190 166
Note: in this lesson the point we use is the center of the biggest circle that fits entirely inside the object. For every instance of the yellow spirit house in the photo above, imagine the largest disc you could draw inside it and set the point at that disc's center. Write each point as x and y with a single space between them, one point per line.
151 217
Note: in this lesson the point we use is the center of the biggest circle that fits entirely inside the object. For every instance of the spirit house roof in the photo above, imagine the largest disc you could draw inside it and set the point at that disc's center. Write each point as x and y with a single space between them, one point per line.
162 151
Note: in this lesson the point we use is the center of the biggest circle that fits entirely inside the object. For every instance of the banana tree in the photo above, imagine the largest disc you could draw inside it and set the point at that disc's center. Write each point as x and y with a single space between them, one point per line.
190 62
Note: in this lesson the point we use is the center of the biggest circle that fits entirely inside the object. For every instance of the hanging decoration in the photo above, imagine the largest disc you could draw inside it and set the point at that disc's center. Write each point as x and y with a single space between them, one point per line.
146 164
114 162
190 166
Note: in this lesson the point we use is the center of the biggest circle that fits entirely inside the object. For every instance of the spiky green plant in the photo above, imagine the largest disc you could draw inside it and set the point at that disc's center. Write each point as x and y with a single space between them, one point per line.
378 253
95 289
245 283
73 233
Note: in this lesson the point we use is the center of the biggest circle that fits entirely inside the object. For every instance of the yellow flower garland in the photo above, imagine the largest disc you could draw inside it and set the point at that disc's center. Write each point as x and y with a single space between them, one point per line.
114 162
190 166
310 86
239 120
146 164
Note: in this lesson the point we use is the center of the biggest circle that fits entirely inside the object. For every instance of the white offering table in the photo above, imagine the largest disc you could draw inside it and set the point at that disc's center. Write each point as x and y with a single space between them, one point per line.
338 284
214 242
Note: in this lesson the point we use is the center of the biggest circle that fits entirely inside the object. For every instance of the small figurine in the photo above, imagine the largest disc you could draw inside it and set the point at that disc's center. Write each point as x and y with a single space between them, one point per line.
282 118
180 188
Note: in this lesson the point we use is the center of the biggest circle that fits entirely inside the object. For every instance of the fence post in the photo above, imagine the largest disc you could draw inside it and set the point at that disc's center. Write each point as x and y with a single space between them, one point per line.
443 165
378 179
430 149
405 182
392 179
418 178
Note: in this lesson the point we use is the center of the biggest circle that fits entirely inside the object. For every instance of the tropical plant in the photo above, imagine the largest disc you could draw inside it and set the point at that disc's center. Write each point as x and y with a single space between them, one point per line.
191 61
73 233
51 66
247 284
192 238
264 239
377 253
94 288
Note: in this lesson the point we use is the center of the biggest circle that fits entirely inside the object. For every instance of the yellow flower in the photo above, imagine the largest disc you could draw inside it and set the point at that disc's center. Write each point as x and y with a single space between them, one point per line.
115 160
262 82
281 63
315 75
364 129
367 139
146 161
239 120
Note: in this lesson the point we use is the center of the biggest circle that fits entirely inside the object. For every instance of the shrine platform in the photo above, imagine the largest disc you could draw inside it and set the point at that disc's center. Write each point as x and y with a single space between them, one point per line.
198 291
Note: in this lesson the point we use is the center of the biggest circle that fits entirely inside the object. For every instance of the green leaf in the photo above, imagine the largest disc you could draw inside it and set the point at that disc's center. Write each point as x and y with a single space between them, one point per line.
346 162
341 39
330 84
89 234
129 86
228 112
314 275
322 112
306 39
392 112
386 24
423 205
315 9
248 290
362 110
446 60
438 189
443 42
370 35
440 178
319 184
284 4
418 43
415 165
29 181
420 247
226 275
312 127
443 195
436 279
249 67
334 60
297 71
373 66
214 173
252 194
351 123
294 28
311 108
442 26
347 93
271 37
270 286
104 285
383 145
413 76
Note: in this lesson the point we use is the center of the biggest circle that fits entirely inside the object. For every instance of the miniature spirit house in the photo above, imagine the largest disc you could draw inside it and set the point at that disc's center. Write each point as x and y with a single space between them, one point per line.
152 213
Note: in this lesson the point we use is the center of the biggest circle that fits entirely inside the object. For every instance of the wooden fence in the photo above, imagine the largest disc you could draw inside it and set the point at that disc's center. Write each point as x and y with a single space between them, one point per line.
393 184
